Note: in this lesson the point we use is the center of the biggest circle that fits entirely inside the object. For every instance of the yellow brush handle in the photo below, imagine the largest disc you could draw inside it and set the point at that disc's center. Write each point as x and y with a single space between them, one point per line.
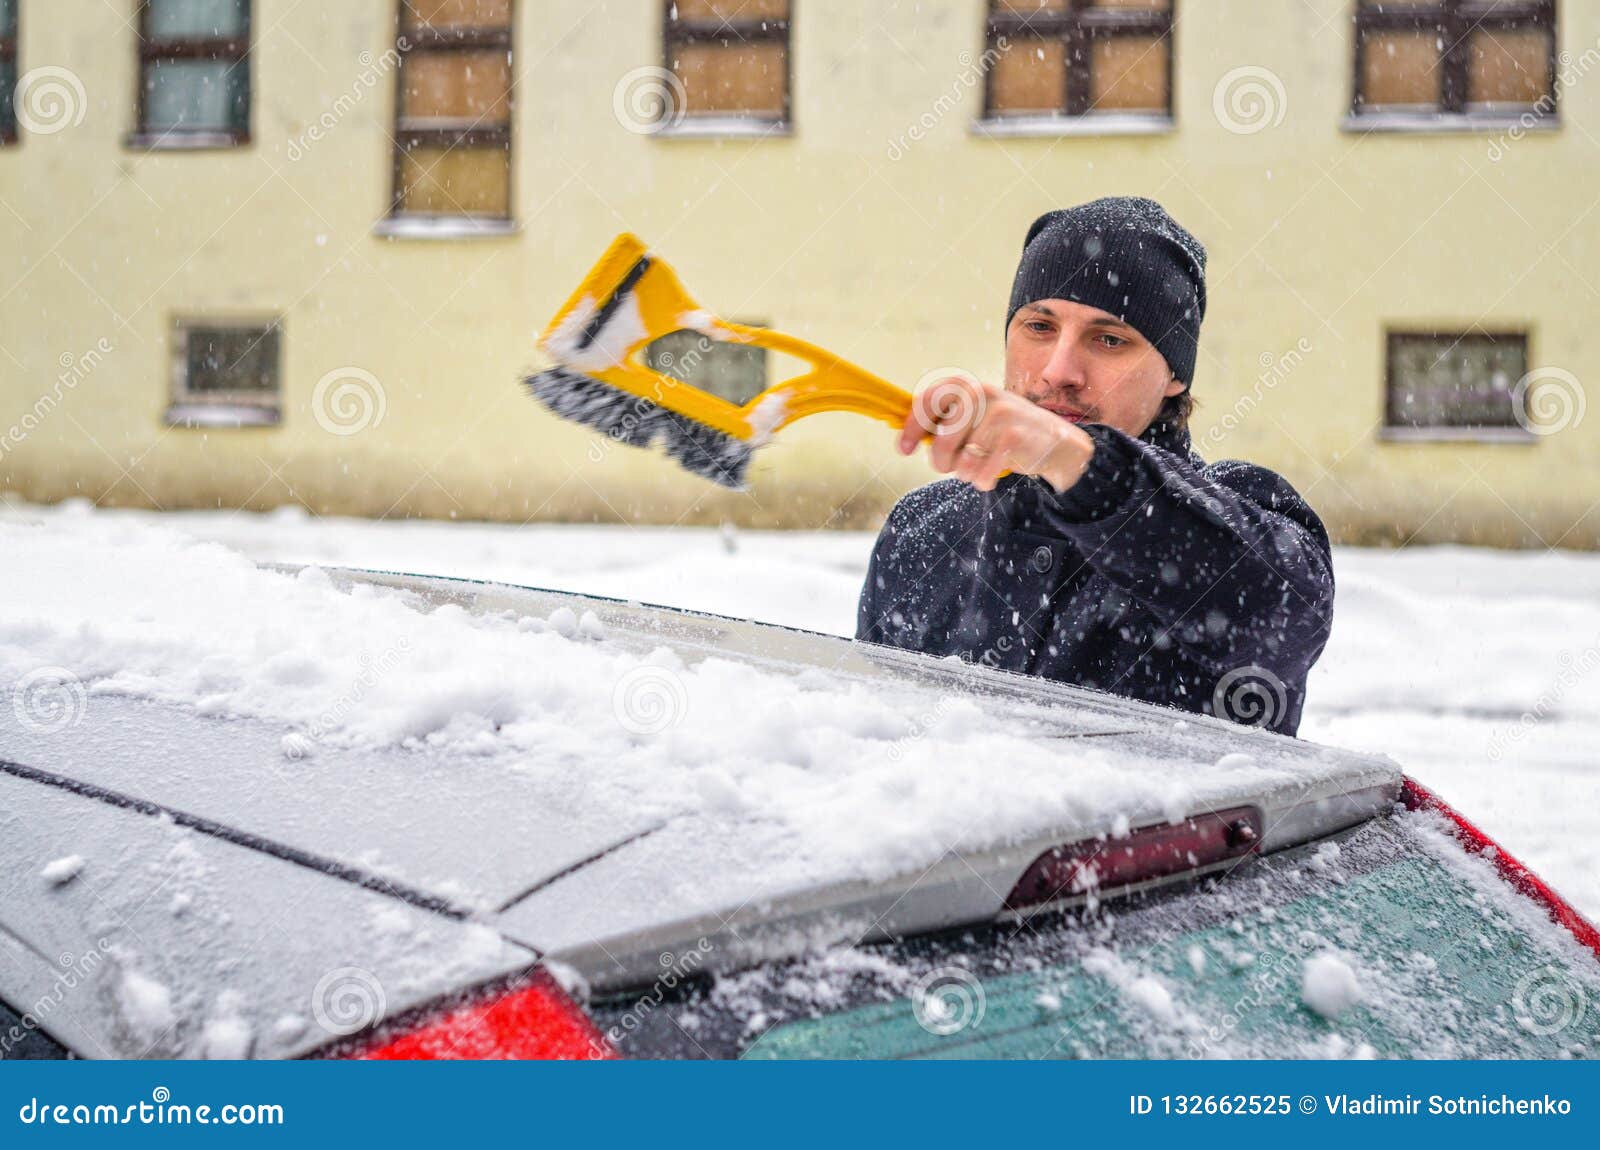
833 383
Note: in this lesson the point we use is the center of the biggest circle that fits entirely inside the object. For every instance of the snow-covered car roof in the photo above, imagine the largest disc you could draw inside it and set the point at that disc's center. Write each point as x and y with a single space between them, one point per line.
596 780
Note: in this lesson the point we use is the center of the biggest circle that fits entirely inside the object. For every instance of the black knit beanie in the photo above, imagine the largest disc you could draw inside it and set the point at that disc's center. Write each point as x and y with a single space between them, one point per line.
1126 256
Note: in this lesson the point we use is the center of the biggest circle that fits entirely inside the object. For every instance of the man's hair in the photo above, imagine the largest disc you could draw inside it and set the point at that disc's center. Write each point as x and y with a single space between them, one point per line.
1176 409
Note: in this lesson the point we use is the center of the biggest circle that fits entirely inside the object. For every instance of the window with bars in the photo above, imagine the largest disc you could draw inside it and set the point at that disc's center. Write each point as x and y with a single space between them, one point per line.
1452 384
453 111
226 373
730 63
1455 59
1079 58
194 73
8 71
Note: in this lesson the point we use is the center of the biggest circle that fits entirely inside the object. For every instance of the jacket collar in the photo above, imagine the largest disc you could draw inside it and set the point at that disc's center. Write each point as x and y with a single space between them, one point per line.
1164 435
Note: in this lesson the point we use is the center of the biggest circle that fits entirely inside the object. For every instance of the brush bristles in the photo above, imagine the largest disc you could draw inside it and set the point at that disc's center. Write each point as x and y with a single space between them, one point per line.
637 422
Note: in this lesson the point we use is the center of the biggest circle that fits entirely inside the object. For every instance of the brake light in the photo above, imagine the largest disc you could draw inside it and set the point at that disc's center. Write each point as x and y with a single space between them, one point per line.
1139 856
529 1017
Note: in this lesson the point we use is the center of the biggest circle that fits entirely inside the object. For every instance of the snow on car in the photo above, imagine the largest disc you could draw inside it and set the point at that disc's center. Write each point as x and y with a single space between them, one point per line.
276 812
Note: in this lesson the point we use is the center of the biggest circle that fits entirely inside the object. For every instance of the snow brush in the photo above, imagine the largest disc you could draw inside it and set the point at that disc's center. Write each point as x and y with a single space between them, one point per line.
631 298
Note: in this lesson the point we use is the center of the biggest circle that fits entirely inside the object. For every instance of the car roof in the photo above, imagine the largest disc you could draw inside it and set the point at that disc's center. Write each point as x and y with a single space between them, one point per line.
589 878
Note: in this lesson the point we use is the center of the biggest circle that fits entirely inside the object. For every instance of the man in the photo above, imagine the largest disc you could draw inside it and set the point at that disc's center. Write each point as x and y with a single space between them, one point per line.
1111 556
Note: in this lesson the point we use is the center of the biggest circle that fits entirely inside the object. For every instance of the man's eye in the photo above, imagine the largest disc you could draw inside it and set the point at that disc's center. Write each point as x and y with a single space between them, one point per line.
1038 325
1113 340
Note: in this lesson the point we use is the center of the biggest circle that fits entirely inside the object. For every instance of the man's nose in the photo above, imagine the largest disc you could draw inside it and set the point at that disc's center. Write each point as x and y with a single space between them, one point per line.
1065 367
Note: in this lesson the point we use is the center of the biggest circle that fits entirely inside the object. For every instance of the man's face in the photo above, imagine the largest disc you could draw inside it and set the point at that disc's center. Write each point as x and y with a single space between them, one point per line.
1086 365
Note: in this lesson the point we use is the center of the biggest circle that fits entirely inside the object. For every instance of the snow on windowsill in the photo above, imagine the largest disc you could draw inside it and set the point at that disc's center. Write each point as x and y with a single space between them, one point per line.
172 141
1110 124
445 227
222 415
1514 435
718 127
1443 123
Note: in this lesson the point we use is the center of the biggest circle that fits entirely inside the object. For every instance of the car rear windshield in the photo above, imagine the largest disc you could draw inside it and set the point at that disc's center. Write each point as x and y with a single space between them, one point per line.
1387 941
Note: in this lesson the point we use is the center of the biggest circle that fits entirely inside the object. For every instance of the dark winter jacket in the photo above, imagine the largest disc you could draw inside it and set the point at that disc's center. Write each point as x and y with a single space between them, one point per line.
1156 576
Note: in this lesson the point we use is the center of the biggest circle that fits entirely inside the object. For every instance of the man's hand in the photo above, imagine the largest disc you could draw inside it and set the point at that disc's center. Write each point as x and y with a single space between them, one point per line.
980 430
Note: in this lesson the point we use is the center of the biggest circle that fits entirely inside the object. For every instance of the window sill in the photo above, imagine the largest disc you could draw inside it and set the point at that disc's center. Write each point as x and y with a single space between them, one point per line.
1107 124
1511 435
445 227
719 127
1441 123
185 141
222 415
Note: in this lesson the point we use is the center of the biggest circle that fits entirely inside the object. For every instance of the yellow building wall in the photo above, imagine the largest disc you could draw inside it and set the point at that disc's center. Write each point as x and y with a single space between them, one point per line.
895 252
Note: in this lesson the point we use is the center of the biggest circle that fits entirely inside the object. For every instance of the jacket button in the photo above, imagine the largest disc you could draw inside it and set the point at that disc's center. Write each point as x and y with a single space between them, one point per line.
1043 559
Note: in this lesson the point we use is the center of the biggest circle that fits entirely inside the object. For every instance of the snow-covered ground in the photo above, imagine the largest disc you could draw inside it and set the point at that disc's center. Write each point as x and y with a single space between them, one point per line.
1479 671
